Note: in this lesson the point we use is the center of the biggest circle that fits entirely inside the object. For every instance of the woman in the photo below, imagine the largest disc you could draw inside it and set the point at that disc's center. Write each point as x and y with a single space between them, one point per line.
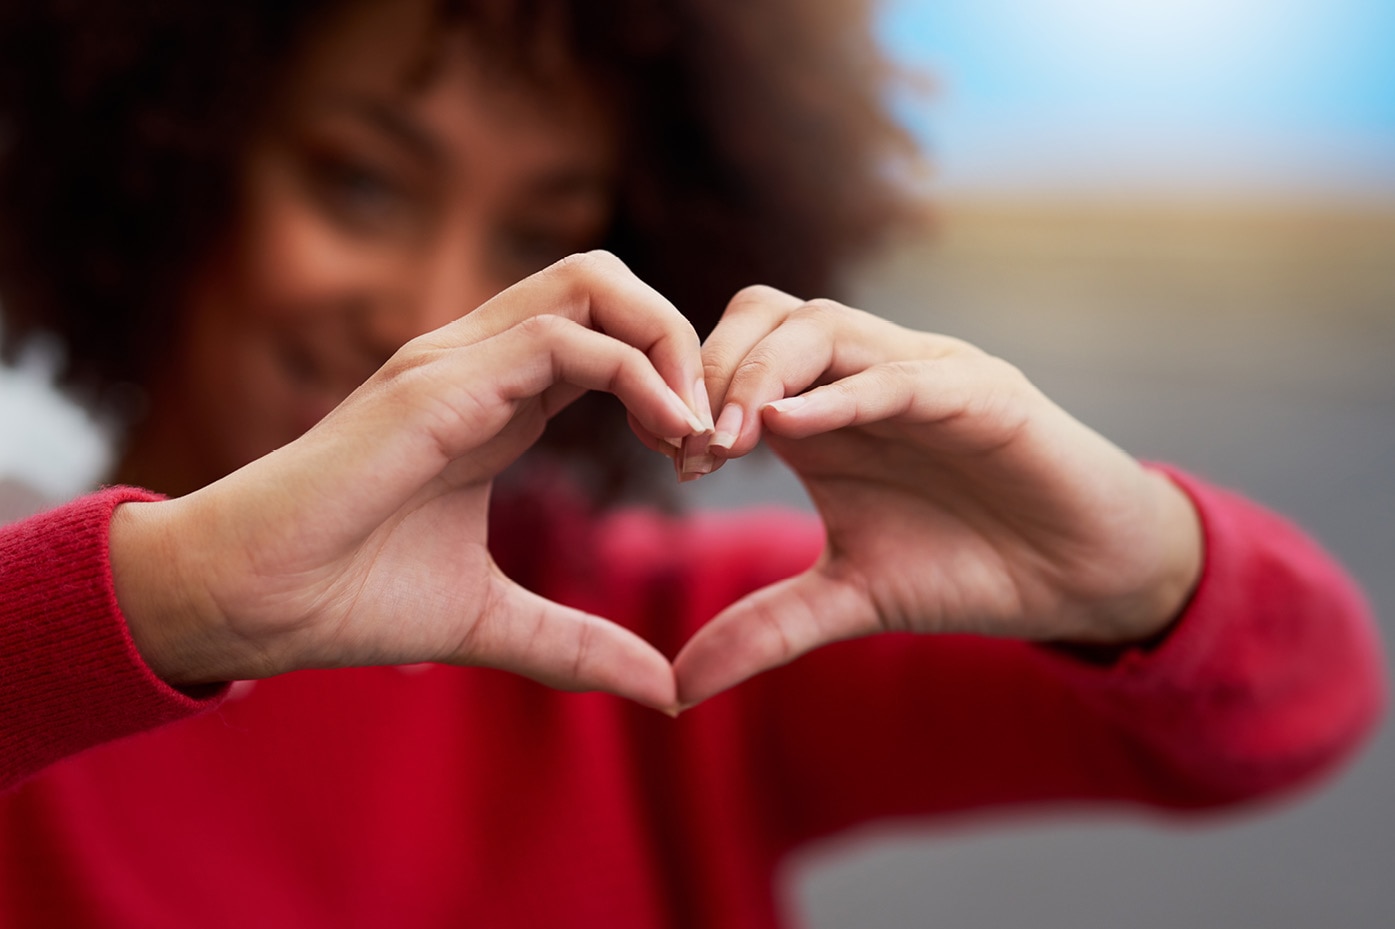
354 315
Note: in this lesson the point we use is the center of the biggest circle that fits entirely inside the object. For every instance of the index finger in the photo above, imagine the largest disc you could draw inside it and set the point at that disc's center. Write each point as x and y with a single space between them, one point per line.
597 290
750 316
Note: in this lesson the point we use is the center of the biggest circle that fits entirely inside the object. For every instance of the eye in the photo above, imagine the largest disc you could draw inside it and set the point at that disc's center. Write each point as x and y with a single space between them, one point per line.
357 192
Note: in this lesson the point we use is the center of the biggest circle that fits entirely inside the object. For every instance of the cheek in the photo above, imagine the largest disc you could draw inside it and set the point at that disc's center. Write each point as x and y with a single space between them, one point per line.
284 283
292 263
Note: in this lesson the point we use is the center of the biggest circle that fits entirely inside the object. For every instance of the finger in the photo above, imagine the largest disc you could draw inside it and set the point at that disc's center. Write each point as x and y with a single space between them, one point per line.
750 316
671 450
769 628
596 290
543 351
820 339
783 363
982 398
444 406
878 393
566 648
650 441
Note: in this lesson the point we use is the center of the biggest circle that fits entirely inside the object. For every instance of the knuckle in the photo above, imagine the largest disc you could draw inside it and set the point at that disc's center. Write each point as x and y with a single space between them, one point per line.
822 309
854 396
714 369
406 364
575 263
995 372
754 296
544 327
890 373
678 332
1007 371
586 264
755 367
621 377
893 378
604 258
582 656
628 357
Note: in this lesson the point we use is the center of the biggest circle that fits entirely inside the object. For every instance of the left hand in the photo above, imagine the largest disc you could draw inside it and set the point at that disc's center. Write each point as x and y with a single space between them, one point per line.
956 497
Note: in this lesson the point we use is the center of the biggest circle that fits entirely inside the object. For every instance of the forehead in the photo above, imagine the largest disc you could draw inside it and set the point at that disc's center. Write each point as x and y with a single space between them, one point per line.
453 74
369 46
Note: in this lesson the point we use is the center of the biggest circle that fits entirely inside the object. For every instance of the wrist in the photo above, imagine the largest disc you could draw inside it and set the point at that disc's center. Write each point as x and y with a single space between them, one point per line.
1169 568
169 618
1178 565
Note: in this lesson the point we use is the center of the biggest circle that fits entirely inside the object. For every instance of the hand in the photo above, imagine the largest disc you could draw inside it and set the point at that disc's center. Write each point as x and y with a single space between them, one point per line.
363 542
956 497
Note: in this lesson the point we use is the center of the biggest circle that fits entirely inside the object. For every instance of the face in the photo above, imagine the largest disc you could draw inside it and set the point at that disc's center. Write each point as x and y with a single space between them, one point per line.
399 183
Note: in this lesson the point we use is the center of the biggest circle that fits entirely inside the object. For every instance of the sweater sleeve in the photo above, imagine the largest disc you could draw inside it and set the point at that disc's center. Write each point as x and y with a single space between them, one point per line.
1271 678
1274 674
70 676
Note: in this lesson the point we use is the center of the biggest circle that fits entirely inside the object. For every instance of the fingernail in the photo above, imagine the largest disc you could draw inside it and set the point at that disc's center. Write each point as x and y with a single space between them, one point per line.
787 405
728 428
694 459
702 404
696 425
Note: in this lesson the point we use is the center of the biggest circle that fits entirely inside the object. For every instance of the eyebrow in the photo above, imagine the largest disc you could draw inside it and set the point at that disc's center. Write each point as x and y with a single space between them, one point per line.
571 181
392 123
563 181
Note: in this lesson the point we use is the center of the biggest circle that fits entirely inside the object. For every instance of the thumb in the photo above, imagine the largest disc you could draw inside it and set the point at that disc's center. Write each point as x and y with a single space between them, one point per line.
565 648
771 627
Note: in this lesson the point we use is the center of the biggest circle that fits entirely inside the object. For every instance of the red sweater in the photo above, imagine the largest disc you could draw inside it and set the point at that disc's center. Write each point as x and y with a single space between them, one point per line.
452 796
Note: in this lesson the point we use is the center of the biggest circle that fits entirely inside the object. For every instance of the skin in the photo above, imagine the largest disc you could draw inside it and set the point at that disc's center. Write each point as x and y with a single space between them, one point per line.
956 497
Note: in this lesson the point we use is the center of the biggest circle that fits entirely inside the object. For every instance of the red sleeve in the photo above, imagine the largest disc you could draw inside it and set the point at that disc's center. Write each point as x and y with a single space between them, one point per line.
1271 677
1277 661
70 676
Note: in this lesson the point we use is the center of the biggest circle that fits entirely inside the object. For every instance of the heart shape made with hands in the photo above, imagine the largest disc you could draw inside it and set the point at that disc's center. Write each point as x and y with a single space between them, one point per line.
740 640
901 553
783 371
953 496
744 637
365 541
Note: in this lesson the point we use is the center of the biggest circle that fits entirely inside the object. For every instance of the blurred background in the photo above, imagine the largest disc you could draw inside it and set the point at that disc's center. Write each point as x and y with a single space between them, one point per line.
1178 217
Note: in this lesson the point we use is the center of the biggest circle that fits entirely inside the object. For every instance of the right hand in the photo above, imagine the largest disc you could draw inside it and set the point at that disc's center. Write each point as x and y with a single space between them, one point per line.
364 541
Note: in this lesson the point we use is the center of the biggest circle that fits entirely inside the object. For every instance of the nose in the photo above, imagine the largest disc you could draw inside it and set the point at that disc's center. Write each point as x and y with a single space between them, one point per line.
434 285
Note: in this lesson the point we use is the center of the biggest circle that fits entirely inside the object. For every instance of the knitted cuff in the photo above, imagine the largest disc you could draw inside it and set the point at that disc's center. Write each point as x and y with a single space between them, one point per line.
70 676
